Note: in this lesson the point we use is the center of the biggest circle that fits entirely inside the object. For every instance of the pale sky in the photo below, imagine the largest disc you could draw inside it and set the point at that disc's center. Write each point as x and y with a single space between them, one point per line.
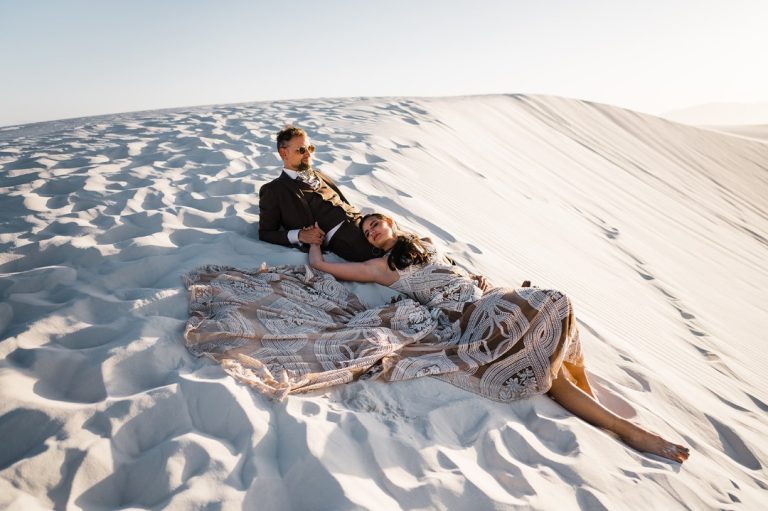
74 58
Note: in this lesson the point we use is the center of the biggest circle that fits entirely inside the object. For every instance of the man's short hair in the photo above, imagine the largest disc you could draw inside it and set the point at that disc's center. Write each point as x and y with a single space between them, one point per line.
287 133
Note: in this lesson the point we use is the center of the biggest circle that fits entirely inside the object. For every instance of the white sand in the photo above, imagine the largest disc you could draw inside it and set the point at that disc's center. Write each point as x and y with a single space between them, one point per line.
658 231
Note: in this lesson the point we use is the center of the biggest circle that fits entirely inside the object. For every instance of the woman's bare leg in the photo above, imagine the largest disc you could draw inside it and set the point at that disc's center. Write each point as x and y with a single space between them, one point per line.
580 375
582 405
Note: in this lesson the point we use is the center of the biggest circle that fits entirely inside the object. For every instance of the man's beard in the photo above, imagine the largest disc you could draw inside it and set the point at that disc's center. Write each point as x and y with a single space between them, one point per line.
303 166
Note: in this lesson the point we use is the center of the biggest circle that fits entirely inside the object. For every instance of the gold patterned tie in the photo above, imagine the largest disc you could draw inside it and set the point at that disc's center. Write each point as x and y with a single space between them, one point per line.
310 178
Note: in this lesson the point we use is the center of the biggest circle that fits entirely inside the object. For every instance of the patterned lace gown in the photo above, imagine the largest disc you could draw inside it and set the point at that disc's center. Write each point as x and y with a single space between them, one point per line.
504 344
294 329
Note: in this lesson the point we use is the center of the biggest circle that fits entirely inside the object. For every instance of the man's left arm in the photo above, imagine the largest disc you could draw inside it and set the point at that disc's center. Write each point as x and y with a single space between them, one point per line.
271 227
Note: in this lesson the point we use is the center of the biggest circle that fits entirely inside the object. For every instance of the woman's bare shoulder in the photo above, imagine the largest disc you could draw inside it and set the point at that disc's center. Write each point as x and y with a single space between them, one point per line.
384 274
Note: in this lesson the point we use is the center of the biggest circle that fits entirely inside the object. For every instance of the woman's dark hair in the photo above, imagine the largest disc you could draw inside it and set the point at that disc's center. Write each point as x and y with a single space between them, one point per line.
408 248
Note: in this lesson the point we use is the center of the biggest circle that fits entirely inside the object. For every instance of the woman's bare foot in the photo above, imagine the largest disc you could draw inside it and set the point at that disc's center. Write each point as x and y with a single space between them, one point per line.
645 441
580 403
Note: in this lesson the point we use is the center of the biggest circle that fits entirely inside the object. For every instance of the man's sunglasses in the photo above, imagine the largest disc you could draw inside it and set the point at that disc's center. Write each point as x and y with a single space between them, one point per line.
303 149
310 148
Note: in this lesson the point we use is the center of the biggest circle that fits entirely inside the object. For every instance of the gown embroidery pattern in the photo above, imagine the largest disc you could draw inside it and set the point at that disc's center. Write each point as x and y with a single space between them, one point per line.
295 329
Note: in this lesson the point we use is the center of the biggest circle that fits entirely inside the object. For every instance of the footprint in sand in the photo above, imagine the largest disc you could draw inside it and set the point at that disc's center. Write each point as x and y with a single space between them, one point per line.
460 247
154 201
58 202
144 481
500 463
640 380
605 393
474 249
30 430
73 163
519 448
611 232
229 424
644 274
388 204
760 404
730 403
406 111
40 279
91 336
310 408
370 158
717 362
446 463
588 500
61 186
63 375
734 446
206 204
359 169
10 179
405 144
133 226
608 231
227 187
24 163
31 257
689 319
6 316
57 228
554 435
700 334
145 364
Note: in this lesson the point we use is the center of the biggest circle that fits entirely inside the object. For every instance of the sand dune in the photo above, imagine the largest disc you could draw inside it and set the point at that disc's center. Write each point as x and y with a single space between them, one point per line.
757 132
658 231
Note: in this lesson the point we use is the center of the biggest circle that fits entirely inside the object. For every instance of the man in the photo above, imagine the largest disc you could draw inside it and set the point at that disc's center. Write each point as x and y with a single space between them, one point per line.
303 205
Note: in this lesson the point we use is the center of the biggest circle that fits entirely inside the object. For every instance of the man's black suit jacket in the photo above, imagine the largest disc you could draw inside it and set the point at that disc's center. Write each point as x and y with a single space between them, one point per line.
282 208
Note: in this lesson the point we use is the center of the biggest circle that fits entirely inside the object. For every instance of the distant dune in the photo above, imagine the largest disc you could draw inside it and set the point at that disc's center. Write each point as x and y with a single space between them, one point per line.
658 232
721 114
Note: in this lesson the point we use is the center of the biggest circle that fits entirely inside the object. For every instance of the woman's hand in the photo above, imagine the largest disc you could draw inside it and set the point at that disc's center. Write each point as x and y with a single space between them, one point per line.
482 282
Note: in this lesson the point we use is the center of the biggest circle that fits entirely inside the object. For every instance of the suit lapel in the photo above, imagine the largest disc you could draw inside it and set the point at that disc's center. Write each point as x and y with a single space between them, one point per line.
297 189
295 185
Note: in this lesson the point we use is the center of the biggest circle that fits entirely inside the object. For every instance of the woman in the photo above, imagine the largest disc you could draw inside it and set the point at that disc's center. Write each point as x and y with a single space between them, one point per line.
293 329
502 343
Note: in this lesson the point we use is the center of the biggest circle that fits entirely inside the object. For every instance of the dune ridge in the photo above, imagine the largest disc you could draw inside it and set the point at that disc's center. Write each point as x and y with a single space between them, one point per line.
658 231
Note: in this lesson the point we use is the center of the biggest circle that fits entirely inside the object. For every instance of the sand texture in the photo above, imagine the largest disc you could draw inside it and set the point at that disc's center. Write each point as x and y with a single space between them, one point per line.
657 231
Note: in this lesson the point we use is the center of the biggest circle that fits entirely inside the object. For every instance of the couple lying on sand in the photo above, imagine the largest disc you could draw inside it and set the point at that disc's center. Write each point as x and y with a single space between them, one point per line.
296 328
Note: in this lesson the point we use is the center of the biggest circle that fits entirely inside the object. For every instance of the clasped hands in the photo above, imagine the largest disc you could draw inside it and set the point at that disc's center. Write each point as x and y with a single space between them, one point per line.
312 235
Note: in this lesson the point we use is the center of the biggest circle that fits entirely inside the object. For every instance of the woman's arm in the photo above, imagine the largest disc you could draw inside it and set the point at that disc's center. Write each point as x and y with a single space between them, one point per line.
375 270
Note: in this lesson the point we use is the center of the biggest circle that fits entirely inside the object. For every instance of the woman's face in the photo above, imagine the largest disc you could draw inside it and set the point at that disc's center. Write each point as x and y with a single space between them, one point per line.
379 232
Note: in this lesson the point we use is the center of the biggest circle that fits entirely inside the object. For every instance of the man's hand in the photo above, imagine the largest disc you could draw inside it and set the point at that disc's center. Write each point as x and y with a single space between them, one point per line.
312 235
